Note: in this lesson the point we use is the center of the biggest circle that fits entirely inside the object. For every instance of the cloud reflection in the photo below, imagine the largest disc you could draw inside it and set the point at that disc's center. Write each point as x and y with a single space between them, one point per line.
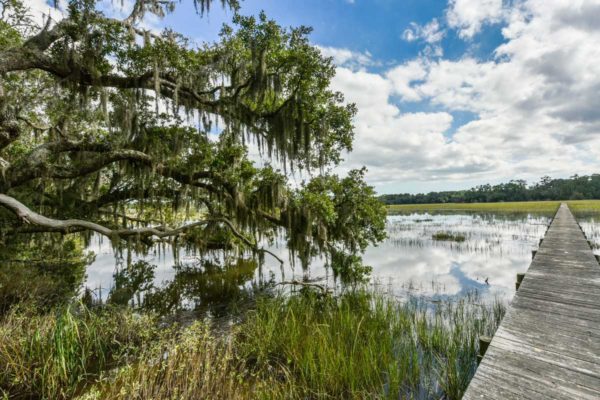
496 248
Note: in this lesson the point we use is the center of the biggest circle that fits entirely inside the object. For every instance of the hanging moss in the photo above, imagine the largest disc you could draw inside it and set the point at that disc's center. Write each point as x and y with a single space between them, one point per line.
134 163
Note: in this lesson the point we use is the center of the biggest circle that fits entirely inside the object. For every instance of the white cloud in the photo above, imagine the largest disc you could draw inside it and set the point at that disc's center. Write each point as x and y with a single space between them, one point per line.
430 32
348 58
394 145
534 105
468 16
403 77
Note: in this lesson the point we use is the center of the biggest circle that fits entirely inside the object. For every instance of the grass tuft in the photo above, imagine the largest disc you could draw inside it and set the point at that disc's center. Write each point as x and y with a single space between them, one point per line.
448 236
367 345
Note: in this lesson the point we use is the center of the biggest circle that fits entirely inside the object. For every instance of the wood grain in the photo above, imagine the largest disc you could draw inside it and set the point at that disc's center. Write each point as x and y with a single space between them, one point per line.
548 344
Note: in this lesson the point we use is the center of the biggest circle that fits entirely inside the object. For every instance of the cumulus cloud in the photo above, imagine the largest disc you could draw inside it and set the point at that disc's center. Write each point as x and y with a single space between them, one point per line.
403 77
430 32
468 16
534 105
394 145
348 58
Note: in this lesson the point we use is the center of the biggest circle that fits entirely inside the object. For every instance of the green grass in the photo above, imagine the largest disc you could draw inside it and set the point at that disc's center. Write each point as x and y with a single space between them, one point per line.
359 345
191 364
364 345
541 207
53 356
584 206
448 236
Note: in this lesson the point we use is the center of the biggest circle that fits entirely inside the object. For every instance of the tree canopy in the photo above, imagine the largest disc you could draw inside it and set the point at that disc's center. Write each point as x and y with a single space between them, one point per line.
577 187
141 136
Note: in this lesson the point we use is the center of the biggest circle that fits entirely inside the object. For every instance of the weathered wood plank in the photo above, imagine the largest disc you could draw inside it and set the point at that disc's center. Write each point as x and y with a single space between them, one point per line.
570 323
548 345
523 374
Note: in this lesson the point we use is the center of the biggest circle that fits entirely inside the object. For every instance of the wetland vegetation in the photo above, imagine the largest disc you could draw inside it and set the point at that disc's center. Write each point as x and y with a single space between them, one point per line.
535 207
414 335
448 236
145 254
360 344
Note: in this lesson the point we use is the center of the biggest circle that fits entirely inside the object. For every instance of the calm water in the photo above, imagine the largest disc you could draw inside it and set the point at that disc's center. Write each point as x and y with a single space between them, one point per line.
496 248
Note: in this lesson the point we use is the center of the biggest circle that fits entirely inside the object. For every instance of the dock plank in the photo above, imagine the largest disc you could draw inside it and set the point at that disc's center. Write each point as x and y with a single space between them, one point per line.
548 344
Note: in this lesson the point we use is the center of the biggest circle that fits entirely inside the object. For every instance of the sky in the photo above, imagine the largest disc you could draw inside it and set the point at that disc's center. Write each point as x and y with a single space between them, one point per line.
453 93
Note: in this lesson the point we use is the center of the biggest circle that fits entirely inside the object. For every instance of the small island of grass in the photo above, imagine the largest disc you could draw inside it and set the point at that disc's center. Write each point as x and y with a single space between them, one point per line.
448 237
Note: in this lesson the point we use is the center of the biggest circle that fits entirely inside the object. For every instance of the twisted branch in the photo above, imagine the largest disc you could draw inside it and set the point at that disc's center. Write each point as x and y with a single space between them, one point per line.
27 216
44 224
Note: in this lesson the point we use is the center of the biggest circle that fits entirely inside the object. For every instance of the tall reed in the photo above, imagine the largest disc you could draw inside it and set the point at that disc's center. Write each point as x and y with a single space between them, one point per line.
53 356
359 344
365 345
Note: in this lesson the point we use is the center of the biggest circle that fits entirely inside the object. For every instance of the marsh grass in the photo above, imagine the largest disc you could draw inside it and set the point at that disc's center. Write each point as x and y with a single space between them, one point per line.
53 356
535 207
491 235
192 364
582 207
368 345
360 344
448 237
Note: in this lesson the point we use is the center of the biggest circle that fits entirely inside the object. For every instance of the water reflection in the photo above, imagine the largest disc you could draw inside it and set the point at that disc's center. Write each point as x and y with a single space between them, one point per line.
591 227
496 248
206 287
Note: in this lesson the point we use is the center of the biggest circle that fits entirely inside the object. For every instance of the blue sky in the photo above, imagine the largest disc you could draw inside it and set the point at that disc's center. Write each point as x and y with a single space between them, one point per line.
375 27
451 93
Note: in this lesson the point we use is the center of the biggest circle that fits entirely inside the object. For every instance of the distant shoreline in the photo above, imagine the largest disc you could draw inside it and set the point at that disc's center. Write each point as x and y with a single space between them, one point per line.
543 207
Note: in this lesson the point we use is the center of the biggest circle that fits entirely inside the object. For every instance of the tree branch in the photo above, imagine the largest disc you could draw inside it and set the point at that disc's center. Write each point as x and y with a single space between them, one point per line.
28 216
247 241
37 164
323 289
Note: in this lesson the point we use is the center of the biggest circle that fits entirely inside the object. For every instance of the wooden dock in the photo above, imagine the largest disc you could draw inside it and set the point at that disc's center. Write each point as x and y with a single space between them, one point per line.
548 344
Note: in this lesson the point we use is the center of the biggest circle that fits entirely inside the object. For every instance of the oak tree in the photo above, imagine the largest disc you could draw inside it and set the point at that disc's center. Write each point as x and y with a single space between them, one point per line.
110 128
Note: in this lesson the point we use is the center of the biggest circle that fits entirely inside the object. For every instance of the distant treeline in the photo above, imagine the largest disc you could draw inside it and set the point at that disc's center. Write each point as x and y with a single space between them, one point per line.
573 188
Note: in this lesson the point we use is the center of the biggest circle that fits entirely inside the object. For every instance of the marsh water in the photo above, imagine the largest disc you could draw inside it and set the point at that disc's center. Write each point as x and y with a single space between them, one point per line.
495 248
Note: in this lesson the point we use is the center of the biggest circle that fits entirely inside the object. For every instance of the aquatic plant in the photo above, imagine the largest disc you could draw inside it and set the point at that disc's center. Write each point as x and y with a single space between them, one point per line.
53 356
361 344
448 236
367 345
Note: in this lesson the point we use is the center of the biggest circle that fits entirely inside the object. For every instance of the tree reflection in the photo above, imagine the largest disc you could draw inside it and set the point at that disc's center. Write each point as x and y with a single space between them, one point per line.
42 271
206 286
